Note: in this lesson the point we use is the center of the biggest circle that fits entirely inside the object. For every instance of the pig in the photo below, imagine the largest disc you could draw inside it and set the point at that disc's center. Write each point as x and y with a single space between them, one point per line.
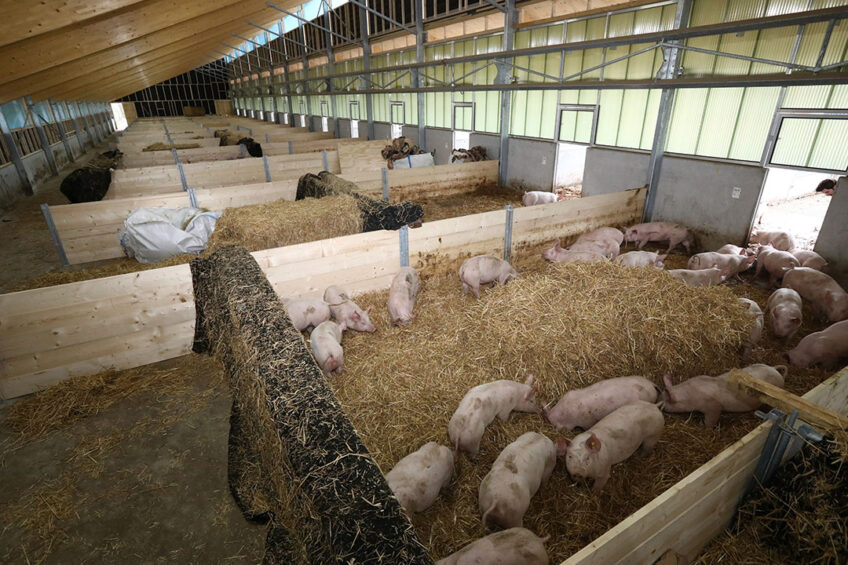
675 234
518 472
418 478
402 296
826 348
784 312
702 277
306 313
827 297
606 247
730 249
325 342
345 310
584 407
482 404
756 326
810 259
776 262
713 395
780 240
616 437
735 264
515 546
484 269
560 255
603 233
535 197
641 259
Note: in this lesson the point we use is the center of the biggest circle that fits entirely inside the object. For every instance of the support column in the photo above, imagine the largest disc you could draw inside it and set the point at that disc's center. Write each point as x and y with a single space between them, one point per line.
668 70
77 130
306 71
510 20
416 74
38 122
61 127
366 67
286 76
331 67
23 174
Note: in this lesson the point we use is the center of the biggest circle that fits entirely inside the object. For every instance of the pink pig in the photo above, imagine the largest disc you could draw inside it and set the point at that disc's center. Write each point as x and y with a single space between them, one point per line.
713 395
675 234
776 262
730 249
701 277
734 264
535 197
780 240
784 311
606 247
484 269
603 233
346 311
418 478
306 312
515 546
402 296
810 259
560 255
641 259
825 348
616 437
584 407
325 342
756 332
824 293
518 472
482 404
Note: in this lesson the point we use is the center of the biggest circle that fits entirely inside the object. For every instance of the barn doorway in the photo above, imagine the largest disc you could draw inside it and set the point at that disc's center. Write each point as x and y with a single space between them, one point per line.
575 132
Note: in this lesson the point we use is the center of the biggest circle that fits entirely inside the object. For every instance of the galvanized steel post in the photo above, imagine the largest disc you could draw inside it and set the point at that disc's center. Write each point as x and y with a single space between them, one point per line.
403 236
510 20
366 68
508 233
57 241
23 174
416 73
385 177
42 137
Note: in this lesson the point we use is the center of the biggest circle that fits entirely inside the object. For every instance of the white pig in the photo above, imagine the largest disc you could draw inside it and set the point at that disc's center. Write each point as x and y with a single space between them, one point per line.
756 326
325 341
810 259
702 277
484 269
518 472
482 404
780 240
784 312
616 437
402 296
346 311
535 197
824 293
730 249
306 312
584 407
515 546
735 264
641 259
418 478
560 255
614 234
675 234
606 247
826 348
776 262
713 395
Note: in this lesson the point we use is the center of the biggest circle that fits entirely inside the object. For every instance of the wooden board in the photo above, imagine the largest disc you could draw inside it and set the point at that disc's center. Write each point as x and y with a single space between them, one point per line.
138 318
361 156
441 180
696 509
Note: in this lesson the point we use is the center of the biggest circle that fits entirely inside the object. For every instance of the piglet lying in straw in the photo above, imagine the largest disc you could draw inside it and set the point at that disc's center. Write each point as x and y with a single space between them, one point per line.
703 277
584 407
827 297
641 259
784 312
713 395
482 404
306 313
346 311
518 472
810 259
535 197
418 478
675 234
734 264
826 348
616 437
606 247
484 269
560 255
402 296
779 239
605 233
776 262
325 341
515 546
756 332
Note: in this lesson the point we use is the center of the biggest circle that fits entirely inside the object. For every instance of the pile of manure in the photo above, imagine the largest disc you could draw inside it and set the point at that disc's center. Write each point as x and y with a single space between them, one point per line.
570 325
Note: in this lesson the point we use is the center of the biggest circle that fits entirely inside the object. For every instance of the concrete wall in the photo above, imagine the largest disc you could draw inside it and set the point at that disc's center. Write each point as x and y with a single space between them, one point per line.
440 140
613 170
382 130
531 164
833 235
716 198
412 133
344 127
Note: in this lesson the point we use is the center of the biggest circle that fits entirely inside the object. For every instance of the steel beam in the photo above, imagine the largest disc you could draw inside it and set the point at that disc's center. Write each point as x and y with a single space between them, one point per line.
77 130
382 16
61 127
331 68
17 160
306 73
510 20
416 74
39 122
271 61
497 5
305 21
366 68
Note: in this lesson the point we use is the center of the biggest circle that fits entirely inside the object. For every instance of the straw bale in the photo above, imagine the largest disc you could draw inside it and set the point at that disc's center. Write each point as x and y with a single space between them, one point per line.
327 500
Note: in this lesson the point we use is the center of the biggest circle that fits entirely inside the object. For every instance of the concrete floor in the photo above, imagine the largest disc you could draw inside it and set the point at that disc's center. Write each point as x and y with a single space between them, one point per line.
143 481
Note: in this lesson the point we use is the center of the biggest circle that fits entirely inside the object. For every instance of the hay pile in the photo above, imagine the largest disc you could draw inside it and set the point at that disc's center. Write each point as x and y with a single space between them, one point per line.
158 146
399 148
467 203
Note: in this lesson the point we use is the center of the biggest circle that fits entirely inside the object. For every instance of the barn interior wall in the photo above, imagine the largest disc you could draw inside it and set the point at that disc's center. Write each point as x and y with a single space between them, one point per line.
834 233
610 169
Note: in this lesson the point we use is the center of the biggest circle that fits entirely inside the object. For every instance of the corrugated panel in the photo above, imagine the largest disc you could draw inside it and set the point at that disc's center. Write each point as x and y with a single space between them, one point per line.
752 123
795 142
829 150
608 117
715 134
686 120
631 118
650 121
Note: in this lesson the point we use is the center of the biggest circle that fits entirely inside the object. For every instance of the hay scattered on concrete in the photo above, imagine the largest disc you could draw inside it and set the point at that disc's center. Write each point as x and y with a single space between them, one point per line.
159 146
467 203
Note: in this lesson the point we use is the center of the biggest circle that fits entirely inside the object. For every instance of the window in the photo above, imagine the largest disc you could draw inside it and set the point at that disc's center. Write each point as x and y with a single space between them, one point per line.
811 140
577 123
302 121
354 118
398 117
463 124
324 125
286 118
354 128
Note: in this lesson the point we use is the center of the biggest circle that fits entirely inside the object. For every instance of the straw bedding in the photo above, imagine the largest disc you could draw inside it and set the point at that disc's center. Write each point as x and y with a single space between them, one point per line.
467 203
158 146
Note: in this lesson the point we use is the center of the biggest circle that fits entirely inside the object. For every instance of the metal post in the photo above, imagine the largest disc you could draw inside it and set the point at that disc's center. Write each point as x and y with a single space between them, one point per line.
508 233
57 241
385 177
291 148
510 21
324 157
267 139
97 130
23 174
77 131
416 74
61 128
39 128
192 198
403 235
366 68
328 35
306 72
175 156
267 168
242 150
668 70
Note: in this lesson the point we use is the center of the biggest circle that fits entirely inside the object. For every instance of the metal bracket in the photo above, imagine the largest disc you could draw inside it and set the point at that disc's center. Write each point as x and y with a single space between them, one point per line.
508 233
504 71
291 148
324 157
403 236
267 169
51 226
385 176
192 198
